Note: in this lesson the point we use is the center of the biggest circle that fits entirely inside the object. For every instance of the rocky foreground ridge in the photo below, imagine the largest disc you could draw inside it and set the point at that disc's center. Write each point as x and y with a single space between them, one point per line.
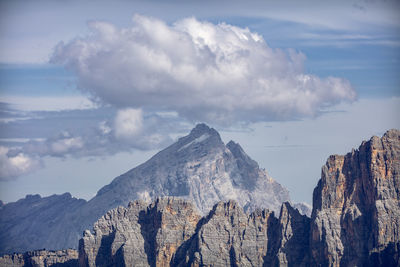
355 222
41 258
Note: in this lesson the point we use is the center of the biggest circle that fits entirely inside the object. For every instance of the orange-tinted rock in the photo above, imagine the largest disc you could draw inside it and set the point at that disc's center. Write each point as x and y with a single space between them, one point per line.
356 214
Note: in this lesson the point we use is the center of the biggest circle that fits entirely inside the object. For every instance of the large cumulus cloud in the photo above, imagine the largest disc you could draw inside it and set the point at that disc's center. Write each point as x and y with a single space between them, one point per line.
202 71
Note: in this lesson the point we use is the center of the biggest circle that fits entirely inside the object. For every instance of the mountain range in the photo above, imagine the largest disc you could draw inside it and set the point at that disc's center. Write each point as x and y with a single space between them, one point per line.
355 221
199 168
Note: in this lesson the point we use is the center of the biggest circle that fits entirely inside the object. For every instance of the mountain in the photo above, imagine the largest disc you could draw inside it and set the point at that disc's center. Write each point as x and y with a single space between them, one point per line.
355 222
198 167
35 222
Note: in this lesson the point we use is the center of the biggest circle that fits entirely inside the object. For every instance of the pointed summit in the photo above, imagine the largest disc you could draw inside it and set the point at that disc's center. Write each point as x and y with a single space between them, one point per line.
201 129
202 139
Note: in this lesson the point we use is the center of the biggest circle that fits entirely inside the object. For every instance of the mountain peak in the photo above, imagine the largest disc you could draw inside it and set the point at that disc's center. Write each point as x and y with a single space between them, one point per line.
202 129
202 134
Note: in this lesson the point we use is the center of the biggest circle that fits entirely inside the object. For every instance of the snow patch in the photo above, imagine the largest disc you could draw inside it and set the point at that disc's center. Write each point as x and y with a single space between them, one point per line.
195 141
144 195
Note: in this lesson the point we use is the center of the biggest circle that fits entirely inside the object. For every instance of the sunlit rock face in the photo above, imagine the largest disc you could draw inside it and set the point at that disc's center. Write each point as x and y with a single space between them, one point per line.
356 214
139 235
198 167
170 232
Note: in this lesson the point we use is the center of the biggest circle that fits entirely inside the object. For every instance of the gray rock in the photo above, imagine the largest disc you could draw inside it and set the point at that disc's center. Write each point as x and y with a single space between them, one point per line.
229 237
293 241
169 232
356 213
140 235
200 168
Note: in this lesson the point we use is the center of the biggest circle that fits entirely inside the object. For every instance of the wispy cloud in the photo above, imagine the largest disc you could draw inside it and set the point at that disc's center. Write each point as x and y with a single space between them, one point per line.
78 134
48 103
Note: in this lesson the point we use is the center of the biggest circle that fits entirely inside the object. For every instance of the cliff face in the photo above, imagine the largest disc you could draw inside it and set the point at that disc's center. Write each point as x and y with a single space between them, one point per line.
356 213
169 232
141 235
229 237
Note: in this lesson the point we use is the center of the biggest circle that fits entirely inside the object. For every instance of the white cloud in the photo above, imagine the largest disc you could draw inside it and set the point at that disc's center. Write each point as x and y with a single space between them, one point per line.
127 130
128 123
12 166
59 146
65 145
214 73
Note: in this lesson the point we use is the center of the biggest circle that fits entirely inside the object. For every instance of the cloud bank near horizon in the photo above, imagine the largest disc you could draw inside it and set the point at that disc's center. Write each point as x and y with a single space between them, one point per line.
94 134
219 74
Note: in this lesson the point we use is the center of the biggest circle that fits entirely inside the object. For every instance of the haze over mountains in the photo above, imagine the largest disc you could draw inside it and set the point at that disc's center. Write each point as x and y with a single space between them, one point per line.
198 167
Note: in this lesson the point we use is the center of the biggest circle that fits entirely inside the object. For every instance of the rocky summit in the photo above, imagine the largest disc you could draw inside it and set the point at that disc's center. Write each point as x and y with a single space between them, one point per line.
199 167
355 222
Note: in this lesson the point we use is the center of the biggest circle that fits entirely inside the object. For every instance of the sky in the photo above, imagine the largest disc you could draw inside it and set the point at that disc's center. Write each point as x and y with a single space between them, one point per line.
91 89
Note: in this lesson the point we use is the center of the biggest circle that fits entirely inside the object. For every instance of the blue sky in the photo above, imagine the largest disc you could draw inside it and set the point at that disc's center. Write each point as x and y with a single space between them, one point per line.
89 89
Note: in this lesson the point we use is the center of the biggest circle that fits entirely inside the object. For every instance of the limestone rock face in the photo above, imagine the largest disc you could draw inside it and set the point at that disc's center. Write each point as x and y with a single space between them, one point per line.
229 237
293 240
169 232
356 213
198 167
41 258
140 235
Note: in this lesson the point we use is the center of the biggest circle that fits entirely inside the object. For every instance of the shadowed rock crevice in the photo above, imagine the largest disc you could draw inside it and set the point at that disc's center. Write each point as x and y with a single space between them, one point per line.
150 222
386 256
105 255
